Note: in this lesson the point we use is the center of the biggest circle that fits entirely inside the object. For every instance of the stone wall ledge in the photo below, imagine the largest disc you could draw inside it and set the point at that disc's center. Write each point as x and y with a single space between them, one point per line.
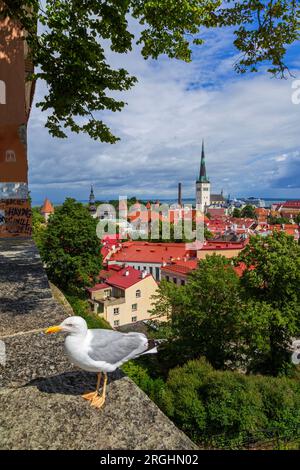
41 406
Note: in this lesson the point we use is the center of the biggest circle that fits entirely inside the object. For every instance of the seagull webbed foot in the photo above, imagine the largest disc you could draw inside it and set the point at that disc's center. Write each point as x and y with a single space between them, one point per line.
98 401
90 395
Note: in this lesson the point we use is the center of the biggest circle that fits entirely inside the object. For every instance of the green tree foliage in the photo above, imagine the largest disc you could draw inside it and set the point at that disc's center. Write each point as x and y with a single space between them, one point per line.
224 409
207 403
208 235
71 249
38 226
205 314
154 387
248 212
236 213
81 307
278 220
276 277
69 55
272 278
237 323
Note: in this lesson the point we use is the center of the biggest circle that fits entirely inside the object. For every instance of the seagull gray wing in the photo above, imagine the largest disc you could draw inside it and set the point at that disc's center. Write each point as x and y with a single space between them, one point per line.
114 347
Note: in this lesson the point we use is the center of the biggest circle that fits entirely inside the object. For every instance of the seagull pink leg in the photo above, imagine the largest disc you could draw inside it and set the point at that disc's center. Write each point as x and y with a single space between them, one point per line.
99 401
91 395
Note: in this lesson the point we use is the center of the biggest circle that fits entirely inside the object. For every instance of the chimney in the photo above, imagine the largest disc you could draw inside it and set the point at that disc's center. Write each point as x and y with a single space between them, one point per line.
179 195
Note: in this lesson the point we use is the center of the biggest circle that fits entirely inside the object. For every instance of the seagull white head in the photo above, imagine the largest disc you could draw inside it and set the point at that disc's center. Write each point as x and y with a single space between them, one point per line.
71 325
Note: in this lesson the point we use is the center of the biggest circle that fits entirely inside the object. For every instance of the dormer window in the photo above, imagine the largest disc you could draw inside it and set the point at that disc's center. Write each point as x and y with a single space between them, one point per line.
2 92
10 156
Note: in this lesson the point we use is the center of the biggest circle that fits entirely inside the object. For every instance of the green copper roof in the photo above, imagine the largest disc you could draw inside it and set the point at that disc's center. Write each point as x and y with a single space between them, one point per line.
202 175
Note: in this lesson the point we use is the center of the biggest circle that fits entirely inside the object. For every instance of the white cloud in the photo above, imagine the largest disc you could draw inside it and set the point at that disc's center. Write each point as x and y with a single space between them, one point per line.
249 124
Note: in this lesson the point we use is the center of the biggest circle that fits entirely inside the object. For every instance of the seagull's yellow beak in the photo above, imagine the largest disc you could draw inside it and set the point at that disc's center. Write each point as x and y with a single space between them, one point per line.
53 329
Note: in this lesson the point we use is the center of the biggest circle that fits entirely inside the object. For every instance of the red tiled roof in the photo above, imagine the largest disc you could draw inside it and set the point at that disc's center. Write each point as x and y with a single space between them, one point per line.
220 211
241 268
223 245
47 207
149 252
107 273
120 279
181 267
124 281
261 211
291 204
101 286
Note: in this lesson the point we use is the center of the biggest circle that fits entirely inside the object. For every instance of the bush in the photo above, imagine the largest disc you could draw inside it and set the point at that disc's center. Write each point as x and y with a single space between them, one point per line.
80 307
154 388
281 404
228 409
205 402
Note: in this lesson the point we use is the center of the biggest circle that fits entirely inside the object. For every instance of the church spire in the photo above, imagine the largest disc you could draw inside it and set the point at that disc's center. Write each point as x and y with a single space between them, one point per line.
92 206
202 176
92 196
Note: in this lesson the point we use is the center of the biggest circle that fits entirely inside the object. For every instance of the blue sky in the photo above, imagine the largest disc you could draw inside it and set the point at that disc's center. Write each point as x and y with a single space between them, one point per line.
249 123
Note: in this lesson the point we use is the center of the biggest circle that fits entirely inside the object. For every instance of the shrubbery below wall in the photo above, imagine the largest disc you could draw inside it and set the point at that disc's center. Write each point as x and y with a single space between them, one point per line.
225 409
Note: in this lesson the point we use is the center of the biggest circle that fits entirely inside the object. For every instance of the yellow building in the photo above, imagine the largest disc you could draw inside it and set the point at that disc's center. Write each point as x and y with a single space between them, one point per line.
125 296
229 249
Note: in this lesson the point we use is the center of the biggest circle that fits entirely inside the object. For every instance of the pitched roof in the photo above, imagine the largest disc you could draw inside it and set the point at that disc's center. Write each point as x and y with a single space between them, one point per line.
217 197
47 207
224 245
181 267
291 205
145 252
124 278
100 286
107 273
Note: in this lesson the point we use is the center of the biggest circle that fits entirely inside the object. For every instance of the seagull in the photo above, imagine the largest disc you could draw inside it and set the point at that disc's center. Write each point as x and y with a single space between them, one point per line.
100 351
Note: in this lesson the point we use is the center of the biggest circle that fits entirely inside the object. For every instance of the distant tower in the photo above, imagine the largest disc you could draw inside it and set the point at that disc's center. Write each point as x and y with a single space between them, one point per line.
202 185
92 205
47 209
179 195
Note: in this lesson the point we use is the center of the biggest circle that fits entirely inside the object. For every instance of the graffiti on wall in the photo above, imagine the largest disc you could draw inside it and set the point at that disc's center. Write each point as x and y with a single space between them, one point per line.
15 215
2 217
13 191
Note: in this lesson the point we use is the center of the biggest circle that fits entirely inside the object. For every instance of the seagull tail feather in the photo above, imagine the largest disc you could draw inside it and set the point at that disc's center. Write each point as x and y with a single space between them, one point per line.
152 346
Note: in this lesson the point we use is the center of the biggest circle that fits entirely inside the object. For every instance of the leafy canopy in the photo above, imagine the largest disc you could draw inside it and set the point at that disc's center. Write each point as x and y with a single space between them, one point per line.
243 323
70 247
68 48
205 314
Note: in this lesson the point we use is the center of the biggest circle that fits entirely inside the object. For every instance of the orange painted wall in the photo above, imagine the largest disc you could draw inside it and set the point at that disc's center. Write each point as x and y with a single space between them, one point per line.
14 113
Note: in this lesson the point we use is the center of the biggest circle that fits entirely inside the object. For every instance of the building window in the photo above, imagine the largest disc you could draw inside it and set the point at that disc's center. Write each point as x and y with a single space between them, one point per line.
167 278
175 280
145 268
10 156
138 293
107 292
157 274
133 319
151 270
134 307
116 311
182 282
2 92
116 322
